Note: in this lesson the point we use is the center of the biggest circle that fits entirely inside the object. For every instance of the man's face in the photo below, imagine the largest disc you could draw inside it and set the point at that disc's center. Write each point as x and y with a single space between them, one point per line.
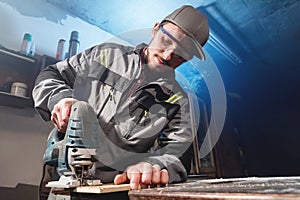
168 47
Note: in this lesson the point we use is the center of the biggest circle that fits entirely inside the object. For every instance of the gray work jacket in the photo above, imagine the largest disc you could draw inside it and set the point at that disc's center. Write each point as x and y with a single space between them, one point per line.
145 117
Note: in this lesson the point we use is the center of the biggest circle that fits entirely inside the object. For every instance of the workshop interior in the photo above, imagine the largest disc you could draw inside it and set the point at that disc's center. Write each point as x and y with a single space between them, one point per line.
245 95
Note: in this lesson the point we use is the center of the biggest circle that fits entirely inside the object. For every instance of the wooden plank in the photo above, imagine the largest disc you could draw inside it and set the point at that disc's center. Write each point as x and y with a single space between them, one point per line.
105 188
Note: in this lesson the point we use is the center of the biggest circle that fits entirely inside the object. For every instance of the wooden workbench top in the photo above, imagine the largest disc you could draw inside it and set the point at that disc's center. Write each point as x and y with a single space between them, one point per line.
282 188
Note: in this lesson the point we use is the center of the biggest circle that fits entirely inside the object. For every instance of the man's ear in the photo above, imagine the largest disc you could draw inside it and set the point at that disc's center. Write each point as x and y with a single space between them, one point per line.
155 29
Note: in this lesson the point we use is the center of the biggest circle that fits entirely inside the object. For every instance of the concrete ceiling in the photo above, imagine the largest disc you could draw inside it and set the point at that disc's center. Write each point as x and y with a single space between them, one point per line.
117 16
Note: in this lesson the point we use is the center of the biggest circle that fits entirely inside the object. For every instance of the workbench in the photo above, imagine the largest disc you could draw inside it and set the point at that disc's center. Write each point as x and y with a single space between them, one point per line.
283 188
225 189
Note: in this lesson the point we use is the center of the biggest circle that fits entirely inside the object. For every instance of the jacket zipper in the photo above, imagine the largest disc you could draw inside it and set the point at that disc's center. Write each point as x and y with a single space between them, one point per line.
109 97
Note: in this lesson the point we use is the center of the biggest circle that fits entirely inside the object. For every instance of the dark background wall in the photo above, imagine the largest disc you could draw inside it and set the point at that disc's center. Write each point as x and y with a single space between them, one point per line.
265 35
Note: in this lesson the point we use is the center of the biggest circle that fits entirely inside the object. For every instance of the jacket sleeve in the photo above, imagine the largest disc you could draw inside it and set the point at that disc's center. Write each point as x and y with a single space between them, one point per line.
175 145
56 82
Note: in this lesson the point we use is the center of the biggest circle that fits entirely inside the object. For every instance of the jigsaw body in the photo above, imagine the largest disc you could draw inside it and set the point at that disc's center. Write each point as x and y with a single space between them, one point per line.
72 156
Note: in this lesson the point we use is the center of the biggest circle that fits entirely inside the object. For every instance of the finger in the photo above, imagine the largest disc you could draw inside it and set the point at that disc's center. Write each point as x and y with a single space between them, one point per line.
62 120
135 178
54 119
156 174
56 114
146 173
121 178
65 115
164 176
135 181
68 112
56 123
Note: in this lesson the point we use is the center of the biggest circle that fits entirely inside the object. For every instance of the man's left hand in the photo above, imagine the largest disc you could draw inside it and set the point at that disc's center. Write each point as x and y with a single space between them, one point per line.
143 173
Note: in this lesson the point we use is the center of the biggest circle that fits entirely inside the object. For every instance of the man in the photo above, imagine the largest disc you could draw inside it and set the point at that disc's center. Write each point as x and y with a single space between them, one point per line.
139 106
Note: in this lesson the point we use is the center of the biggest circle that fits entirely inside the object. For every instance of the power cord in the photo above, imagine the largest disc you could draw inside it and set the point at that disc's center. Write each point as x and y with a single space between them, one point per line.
41 183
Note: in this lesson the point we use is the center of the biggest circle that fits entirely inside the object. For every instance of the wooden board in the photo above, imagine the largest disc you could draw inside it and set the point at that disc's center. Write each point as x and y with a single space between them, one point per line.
105 188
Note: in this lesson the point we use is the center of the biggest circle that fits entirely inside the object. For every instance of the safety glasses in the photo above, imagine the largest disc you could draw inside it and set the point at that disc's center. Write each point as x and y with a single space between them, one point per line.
180 51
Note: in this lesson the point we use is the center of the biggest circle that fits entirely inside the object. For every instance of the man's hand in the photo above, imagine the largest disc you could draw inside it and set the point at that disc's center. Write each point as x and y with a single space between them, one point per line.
143 173
61 113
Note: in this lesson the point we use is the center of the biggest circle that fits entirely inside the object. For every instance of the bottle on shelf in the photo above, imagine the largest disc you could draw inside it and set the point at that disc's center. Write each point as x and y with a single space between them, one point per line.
73 44
60 49
26 44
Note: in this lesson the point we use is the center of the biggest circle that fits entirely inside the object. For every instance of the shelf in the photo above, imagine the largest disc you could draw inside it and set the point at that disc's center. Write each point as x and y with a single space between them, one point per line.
7 99
16 67
17 55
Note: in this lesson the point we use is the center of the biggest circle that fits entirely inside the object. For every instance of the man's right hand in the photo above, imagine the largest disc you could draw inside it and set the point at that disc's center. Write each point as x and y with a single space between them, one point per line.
61 113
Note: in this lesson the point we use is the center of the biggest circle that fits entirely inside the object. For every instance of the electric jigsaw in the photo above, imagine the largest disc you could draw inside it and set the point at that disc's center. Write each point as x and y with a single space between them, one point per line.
74 152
